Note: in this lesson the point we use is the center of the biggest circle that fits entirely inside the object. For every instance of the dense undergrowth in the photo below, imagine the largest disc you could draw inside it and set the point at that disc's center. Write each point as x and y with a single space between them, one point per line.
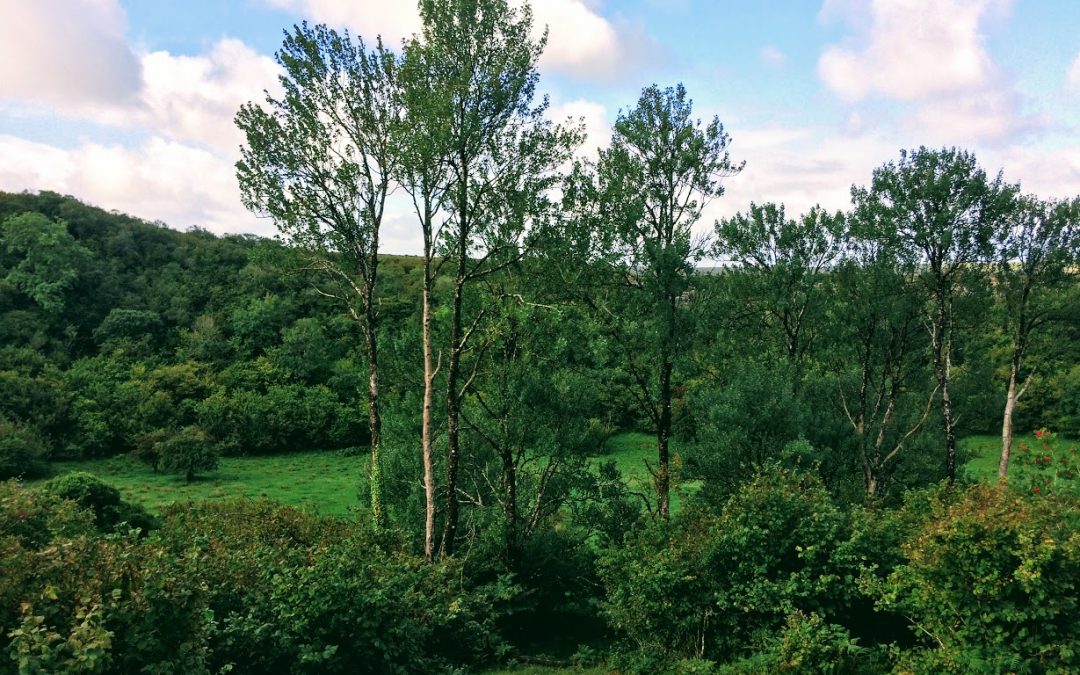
775 578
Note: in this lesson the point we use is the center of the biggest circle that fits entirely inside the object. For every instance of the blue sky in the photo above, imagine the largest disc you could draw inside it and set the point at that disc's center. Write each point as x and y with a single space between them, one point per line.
128 103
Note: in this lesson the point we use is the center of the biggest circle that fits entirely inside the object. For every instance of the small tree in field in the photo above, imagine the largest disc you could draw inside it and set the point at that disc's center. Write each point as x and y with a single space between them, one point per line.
188 451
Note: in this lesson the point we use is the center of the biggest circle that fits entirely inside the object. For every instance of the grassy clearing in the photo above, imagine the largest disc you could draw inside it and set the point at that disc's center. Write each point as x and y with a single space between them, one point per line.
326 482
983 453
323 481
629 452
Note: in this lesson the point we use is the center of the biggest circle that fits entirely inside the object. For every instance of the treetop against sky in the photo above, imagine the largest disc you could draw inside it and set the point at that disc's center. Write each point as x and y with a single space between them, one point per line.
130 103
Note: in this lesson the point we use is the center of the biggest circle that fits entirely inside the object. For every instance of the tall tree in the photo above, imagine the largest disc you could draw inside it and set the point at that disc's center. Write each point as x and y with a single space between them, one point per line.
501 154
319 161
425 176
874 320
49 258
785 260
1036 260
939 210
653 182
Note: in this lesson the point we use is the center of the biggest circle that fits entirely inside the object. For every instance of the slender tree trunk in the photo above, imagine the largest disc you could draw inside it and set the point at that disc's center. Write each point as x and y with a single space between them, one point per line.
1011 397
374 417
942 345
663 427
1014 392
453 413
429 393
871 486
510 507
950 428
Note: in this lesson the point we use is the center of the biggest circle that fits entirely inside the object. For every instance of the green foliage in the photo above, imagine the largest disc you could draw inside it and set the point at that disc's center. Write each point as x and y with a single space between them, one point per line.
808 645
103 500
990 583
709 583
129 327
1052 465
22 452
240 586
51 259
187 451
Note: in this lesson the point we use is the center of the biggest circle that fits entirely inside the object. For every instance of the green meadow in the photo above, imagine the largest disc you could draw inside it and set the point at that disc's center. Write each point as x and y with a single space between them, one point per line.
325 482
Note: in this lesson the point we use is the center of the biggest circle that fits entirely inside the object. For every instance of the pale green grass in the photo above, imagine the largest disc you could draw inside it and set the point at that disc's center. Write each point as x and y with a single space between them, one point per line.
325 482
630 450
983 453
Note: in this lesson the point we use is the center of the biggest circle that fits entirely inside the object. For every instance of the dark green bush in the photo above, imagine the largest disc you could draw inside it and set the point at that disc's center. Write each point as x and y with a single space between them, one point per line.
22 452
711 583
103 500
249 587
990 582
807 645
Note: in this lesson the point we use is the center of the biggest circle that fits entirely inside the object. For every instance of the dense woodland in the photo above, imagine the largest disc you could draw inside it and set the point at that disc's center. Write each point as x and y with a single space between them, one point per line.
806 377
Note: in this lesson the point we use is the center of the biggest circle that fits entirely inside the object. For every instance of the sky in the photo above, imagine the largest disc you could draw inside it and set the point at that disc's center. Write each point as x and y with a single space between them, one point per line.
128 104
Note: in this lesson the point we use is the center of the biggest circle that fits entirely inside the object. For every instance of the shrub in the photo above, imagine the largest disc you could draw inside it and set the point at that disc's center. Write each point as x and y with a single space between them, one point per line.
296 592
708 584
990 582
1052 466
806 645
188 451
244 587
101 499
22 452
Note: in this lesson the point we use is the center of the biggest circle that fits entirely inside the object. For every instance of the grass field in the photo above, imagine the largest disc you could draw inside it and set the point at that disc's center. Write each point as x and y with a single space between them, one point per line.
983 453
629 452
323 481
327 482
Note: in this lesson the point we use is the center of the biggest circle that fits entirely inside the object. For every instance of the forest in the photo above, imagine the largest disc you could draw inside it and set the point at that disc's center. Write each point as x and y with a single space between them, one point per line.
855 430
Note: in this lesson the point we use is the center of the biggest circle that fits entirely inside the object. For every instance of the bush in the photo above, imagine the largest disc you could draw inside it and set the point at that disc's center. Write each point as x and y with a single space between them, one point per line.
295 592
807 645
188 451
101 499
244 587
709 584
22 452
990 584
72 600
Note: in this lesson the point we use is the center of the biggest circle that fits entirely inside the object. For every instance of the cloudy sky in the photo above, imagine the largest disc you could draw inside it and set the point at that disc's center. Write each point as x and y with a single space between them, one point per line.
128 104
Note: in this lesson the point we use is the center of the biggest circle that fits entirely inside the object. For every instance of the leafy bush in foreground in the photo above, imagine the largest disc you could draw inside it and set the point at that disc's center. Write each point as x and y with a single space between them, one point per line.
991 583
244 586
711 585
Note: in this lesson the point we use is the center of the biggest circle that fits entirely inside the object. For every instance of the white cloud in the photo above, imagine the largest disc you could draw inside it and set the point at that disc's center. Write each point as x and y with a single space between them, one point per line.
1047 172
984 117
392 19
799 167
596 125
195 98
909 49
66 53
582 43
773 56
1074 73
158 180
933 55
